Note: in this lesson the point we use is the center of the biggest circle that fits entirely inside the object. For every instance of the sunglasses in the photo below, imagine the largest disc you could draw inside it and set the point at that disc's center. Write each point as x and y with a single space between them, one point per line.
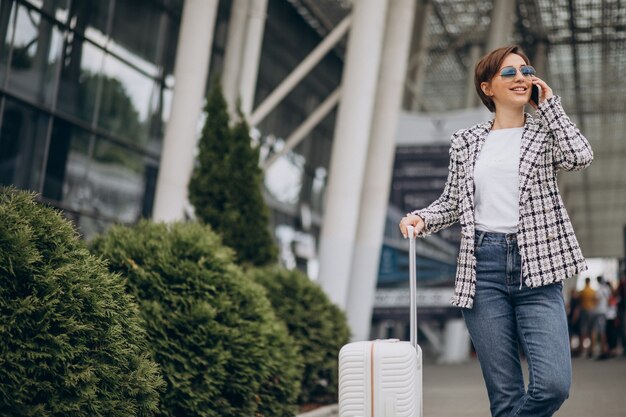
508 73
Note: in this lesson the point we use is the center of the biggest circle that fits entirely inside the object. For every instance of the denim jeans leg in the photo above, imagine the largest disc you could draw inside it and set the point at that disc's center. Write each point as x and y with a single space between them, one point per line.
542 325
493 328
506 315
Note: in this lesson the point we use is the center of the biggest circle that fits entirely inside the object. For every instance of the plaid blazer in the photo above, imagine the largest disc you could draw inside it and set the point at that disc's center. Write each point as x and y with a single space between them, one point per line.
548 247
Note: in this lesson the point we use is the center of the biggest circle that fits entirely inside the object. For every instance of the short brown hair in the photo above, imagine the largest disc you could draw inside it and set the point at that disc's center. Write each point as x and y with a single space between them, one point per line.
488 67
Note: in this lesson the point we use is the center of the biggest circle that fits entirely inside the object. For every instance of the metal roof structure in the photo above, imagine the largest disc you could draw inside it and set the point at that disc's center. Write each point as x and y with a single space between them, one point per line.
583 46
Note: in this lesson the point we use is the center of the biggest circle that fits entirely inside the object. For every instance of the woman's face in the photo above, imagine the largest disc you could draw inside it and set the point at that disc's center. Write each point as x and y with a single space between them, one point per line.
509 92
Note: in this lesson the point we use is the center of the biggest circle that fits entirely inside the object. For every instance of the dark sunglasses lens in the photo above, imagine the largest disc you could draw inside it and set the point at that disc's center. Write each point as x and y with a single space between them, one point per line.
508 72
527 70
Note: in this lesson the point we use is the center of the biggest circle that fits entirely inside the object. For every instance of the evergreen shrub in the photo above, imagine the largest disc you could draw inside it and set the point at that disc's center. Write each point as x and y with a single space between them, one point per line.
226 185
71 339
318 326
211 329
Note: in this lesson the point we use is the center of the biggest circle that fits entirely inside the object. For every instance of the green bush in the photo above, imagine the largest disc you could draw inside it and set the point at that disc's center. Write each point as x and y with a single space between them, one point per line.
319 327
226 185
212 330
72 343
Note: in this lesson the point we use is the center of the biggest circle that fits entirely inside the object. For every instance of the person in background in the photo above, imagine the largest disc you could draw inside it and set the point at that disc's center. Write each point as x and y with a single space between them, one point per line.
588 303
573 321
612 323
599 318
621 311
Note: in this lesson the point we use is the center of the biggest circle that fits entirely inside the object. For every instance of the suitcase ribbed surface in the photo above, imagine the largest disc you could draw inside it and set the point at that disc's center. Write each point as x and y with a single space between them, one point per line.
398 379
396 376
352 380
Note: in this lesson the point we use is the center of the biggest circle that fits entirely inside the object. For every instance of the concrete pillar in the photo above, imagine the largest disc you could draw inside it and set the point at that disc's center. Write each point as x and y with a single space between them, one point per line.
471 99
233 55
191 71
502 24
349 153
399 331
540 60
457 345
378 168
252 54
419 54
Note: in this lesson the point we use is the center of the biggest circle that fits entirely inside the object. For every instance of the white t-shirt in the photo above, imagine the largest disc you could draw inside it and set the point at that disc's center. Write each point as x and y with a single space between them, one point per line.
496 182
602 294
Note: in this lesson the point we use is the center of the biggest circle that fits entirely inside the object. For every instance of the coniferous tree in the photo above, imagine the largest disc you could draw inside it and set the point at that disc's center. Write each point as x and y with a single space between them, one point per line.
225 188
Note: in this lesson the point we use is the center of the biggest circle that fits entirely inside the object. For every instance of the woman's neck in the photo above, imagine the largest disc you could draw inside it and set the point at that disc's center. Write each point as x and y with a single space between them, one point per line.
509 118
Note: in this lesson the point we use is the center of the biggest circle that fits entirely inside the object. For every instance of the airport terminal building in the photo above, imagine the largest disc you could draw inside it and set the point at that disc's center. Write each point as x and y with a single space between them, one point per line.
352 104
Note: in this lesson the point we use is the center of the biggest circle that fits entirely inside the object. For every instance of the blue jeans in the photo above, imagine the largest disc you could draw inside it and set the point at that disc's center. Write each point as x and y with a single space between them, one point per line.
505 316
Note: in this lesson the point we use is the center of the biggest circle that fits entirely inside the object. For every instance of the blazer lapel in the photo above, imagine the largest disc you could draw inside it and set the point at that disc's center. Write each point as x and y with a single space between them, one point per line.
479 134
533 141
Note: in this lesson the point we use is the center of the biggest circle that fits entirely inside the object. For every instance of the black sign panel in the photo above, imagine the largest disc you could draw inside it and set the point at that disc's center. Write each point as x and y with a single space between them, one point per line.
419 177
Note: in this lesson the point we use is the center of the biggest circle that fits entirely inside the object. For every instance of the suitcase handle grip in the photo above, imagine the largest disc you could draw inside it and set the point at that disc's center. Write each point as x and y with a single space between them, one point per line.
412 287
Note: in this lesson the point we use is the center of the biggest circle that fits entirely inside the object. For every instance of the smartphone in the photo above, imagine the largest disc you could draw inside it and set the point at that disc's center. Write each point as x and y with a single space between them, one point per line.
534 94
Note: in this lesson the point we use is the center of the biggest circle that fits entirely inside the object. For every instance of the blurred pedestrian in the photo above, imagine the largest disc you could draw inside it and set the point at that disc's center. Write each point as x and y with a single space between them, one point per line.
599 318
573 320
588 302
621 310
517 242
612 322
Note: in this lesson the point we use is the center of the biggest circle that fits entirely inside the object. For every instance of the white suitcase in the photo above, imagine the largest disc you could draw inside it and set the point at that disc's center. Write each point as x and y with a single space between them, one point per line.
383 378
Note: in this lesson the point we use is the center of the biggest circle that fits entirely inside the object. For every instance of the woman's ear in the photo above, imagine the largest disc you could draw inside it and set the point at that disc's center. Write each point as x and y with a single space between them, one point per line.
486 89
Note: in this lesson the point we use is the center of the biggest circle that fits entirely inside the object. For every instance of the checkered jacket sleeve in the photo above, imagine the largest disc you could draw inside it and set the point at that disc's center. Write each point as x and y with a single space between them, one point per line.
444 211
570 150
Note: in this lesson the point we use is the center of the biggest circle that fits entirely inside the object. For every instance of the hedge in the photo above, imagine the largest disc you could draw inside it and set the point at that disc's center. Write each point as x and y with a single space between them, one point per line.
319 327
72 340
211 329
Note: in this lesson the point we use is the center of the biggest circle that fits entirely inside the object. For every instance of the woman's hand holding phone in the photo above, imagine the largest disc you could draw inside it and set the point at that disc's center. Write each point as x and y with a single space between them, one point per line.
544 93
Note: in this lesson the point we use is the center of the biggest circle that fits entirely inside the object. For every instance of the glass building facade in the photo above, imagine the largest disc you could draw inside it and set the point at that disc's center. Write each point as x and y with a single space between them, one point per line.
295 184
85 89
85 93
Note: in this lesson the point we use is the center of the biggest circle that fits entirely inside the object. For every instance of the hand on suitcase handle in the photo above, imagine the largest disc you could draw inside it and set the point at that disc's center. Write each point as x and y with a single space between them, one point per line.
411 220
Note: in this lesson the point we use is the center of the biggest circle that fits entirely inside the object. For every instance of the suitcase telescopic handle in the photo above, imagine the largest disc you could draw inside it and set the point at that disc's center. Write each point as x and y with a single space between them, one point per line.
412 287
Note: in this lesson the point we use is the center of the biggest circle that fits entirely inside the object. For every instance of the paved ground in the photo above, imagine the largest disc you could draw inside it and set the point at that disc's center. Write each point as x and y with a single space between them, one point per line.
598 390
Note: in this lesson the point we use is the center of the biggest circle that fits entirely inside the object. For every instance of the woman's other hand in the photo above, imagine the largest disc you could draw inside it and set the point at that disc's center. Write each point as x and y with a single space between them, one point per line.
411 220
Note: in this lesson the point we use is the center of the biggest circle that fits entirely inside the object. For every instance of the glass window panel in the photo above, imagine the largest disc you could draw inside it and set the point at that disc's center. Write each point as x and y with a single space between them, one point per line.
96 177
91 226
90 19
136 33
117 181
22 145
129 99
151 175
80 78
56 8
166 110
36 50
174 5
7 16
67 167
170 41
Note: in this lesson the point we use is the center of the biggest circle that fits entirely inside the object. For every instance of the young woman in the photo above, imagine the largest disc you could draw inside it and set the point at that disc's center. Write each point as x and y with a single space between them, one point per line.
517 243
